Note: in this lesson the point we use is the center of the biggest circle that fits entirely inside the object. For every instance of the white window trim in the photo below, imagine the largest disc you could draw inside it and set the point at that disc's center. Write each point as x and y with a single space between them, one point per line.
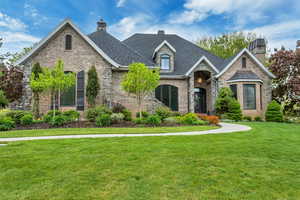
203 58
245 80
165 42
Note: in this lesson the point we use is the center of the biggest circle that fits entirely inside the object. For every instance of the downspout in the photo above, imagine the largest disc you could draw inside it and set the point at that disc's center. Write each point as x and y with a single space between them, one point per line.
188 94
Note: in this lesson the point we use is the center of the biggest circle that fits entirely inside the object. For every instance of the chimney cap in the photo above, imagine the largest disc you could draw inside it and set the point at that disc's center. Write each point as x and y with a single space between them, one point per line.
101 25
160 32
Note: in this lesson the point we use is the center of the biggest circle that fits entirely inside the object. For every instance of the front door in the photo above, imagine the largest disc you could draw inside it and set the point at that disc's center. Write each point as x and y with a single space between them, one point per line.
200 100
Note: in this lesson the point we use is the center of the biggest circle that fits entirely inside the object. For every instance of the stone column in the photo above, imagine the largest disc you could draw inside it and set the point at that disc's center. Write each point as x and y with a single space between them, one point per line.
191 93
214 92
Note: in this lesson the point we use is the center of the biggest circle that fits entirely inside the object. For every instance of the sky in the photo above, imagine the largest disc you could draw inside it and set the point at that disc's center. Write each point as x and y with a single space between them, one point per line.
25 22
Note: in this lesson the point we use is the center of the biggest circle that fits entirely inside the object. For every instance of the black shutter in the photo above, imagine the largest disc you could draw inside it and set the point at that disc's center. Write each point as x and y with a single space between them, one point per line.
80 90
174 98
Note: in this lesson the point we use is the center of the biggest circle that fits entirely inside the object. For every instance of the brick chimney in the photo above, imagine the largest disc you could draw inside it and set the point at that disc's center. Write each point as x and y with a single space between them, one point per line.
101 25
259 48
298 48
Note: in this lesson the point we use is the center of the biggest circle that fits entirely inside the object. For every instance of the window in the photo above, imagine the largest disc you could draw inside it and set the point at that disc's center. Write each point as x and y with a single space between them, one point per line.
249 96
67 98
234 90
68 42
165 62
244 62
168 95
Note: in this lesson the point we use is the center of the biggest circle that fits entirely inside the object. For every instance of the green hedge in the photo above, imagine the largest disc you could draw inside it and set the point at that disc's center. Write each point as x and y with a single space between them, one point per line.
273 113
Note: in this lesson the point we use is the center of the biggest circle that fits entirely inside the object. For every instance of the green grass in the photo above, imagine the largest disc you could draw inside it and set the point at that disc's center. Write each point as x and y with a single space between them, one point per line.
261 164
84 131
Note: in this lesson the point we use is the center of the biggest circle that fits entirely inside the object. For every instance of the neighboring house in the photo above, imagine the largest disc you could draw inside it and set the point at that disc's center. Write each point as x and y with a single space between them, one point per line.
190 76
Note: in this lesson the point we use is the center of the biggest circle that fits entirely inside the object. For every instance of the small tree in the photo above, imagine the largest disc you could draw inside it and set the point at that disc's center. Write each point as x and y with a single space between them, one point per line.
37 86
140 82
92 87
234 110
3 100
273 113
57 81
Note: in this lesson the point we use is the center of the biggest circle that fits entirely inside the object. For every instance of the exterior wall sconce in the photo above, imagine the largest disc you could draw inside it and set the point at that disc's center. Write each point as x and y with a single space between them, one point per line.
199 80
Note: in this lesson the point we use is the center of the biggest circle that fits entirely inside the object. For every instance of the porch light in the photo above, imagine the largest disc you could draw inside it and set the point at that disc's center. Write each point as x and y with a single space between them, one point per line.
199 80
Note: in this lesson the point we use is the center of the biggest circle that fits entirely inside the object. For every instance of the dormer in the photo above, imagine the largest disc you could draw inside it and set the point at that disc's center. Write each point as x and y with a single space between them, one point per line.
164 56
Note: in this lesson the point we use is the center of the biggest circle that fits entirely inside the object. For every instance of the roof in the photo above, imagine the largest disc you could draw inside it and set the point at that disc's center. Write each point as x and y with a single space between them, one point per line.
187 53
244 75
117 50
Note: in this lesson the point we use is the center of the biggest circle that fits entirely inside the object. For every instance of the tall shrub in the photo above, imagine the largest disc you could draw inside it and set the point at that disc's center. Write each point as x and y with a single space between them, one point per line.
3 100
92 87
223 100
37 86
273 113
140 81
234 110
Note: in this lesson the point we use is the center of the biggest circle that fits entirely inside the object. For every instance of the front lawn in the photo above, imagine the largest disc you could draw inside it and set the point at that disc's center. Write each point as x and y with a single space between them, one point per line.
261 164
85 131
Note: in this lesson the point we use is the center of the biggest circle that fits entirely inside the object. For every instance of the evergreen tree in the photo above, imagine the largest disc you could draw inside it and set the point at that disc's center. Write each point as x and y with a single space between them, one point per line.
37 88
92 87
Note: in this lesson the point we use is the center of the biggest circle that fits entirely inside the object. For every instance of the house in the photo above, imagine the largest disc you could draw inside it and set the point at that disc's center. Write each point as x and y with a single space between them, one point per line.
190 76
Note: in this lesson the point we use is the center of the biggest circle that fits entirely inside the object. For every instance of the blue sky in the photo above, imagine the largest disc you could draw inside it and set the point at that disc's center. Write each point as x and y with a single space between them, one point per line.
24 22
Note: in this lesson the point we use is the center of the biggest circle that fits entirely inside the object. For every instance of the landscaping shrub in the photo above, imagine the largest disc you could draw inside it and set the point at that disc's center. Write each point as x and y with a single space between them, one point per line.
139 121
16 115
93 113
144 114
58 120
3 100
163 112
49 116
117 118
3 112
212 119
103 120
189 119
153 120
71 115
6 123
118 108
258 119
27 119
273 113
225 97
175 114
172 120
234 112
247 118
127 115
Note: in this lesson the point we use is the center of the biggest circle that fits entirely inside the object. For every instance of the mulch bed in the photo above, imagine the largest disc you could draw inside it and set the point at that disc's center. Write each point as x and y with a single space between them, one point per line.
87 124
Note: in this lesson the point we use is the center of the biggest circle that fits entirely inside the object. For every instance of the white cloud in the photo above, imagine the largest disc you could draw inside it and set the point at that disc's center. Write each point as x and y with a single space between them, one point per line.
11 23
120 3
283 33
142 23
31 12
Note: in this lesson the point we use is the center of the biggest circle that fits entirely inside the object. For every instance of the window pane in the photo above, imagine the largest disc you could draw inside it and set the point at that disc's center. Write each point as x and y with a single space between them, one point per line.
168 95
234 90
244 62
67 98
249 97
68 42
165 62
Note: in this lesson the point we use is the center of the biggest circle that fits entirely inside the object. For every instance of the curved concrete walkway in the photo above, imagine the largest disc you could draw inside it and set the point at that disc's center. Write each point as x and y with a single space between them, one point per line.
225 128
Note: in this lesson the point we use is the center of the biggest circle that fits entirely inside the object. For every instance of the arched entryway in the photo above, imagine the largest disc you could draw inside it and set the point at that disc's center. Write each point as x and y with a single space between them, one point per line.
200 100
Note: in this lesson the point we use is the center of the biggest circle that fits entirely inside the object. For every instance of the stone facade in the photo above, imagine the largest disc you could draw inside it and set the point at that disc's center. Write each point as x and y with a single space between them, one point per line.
165 50
261 103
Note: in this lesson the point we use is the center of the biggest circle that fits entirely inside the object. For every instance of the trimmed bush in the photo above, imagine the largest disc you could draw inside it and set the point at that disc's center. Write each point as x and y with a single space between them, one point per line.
16 115
27 119
127 115
103 120
247 118
211 119
234 112
153 120
49 116
273 113
117 118
3 100
258 119
144 114
225 97
58 120
6 123
93 113
189 119
71 115
172 120
163 112
139 120
175 114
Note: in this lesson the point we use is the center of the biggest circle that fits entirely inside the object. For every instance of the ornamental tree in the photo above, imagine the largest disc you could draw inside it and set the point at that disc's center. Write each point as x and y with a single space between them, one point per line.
56 81
92 87
139 82
37 86
11 82
285 65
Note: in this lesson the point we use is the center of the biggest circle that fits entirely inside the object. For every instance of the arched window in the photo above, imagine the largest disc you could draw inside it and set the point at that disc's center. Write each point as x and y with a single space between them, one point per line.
68 42
67 98
168 95
165 62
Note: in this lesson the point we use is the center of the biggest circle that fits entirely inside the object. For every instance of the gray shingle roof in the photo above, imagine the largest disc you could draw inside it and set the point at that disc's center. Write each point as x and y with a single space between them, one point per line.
116 50
187 53
244 75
